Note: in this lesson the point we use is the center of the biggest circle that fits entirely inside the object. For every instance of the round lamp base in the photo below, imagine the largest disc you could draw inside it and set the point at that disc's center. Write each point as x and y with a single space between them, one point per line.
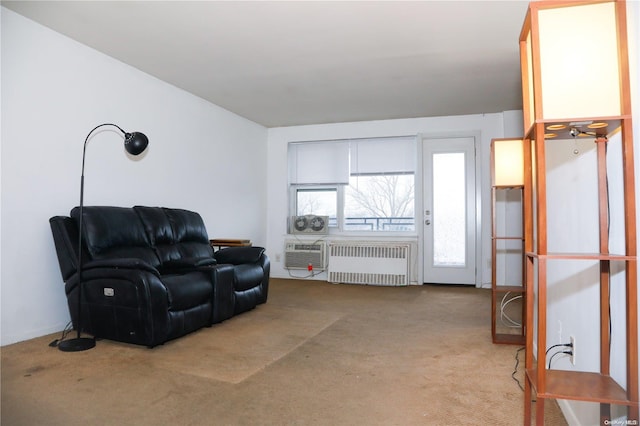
77 344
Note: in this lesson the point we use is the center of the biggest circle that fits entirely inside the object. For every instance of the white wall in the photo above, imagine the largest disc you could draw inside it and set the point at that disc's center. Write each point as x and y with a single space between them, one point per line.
486 126
54 91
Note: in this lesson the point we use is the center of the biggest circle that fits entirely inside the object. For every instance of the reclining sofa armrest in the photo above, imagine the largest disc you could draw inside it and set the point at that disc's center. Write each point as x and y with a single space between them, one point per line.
239 255
132 290
123 263
223 295
187 264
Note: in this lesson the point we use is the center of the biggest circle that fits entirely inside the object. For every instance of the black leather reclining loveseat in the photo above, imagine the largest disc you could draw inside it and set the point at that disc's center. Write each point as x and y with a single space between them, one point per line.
150 275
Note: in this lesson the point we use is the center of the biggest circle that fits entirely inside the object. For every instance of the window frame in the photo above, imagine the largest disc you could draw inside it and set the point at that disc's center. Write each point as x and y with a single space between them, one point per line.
339 188
293 201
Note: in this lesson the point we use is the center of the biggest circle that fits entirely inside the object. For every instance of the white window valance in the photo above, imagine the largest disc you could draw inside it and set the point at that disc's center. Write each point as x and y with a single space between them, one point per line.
324 162
383 156
332 162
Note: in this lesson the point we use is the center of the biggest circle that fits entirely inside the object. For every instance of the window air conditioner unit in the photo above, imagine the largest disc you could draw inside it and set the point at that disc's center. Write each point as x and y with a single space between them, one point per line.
299 255
309 224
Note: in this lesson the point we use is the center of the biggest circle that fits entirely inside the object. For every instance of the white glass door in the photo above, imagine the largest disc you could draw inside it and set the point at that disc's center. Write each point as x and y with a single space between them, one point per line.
449 216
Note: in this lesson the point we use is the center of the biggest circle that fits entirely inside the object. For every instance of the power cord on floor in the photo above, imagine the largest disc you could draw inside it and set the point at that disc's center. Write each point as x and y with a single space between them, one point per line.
515 369
312 274
67 329
503 315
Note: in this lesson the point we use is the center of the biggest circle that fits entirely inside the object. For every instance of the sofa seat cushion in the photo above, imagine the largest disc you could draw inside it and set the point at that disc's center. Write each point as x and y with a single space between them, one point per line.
247 276
183 322
186 291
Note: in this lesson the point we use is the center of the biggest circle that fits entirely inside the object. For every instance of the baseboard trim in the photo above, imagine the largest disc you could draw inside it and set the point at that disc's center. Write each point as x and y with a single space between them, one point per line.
568 413
9 339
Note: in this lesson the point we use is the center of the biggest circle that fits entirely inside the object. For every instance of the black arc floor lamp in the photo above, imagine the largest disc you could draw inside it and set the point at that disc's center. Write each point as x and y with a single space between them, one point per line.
135 143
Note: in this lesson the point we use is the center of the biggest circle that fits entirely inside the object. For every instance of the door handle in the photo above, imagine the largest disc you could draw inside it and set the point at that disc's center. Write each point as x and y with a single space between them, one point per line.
427 222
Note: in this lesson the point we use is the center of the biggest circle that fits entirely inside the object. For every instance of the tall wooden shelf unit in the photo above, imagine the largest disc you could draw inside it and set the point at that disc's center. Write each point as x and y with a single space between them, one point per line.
575 80
506 176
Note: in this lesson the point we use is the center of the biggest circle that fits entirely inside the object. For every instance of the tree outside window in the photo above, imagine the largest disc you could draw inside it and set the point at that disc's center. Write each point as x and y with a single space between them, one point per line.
380 203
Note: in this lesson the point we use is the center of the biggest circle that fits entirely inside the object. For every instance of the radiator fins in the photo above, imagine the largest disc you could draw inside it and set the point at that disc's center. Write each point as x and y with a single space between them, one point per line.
368 278
369 263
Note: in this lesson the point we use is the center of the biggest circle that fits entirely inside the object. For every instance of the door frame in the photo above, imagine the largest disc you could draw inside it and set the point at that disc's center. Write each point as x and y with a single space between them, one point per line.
419 189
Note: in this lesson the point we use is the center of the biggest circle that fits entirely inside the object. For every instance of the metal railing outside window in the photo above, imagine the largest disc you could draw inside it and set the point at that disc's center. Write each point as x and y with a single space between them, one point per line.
376 223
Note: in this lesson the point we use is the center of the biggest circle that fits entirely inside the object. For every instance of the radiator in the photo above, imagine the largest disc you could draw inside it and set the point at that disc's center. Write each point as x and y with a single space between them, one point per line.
384 264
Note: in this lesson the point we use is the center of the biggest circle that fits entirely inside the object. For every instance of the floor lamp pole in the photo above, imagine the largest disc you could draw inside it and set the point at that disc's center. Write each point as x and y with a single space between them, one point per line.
135 143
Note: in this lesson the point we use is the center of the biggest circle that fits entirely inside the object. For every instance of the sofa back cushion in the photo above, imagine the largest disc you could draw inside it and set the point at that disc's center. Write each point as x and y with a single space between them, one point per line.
115 232
175 233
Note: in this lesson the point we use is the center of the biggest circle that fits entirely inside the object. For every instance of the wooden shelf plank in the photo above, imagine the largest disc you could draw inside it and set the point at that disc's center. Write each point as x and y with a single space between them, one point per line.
508 339
580 386
580 256
509 288
508 186
229 242
613 125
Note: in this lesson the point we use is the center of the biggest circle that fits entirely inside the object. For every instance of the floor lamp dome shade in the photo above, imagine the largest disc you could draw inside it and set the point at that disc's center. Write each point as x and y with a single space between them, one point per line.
135 143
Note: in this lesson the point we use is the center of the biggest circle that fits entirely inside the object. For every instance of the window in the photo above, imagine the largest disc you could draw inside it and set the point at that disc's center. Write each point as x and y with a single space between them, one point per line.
379 203
362 185
318 201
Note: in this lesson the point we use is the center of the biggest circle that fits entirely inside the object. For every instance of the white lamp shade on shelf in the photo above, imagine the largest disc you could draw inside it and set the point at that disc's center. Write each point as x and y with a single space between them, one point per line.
507 162
570 56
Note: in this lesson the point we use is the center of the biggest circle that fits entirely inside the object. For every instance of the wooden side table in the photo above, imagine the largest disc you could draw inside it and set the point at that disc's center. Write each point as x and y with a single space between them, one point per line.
229 242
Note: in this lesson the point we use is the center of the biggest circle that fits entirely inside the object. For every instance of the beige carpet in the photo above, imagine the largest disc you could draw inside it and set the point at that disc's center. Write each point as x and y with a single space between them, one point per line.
315 354
245 345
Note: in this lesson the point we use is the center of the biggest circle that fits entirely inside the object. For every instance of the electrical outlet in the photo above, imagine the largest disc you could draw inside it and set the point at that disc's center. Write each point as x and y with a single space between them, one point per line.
277 257
572 340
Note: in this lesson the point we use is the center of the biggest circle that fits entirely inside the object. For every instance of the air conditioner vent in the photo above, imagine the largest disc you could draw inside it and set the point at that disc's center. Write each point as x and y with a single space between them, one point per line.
299 255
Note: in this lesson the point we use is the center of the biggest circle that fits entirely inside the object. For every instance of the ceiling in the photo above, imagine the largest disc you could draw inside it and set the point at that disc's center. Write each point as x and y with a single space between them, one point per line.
284 63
